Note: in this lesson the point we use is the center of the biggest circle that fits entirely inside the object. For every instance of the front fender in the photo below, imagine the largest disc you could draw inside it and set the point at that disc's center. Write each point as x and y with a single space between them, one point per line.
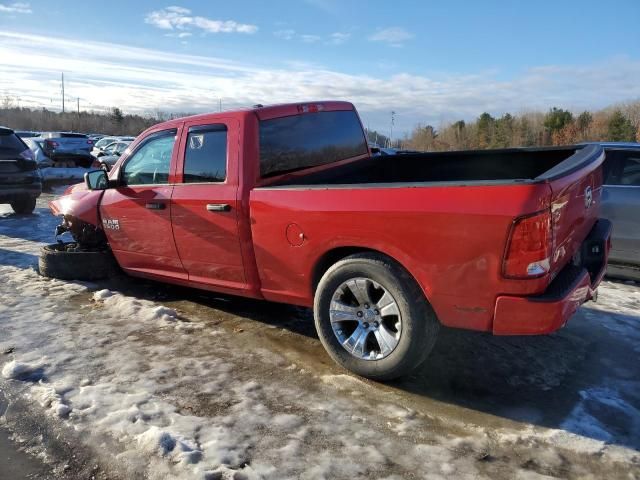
78 203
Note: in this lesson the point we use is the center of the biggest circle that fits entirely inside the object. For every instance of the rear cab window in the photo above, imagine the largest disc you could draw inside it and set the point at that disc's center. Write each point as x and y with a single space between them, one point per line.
308 140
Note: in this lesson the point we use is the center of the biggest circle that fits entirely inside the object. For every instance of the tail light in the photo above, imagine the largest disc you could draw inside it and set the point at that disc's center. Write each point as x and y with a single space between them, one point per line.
528 251
90 142
51 144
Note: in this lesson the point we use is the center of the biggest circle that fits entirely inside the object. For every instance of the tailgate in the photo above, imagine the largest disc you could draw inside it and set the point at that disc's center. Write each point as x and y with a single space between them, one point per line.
576 186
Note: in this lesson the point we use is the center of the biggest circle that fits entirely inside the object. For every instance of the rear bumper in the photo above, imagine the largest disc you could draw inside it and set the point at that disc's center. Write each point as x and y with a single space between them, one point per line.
573 286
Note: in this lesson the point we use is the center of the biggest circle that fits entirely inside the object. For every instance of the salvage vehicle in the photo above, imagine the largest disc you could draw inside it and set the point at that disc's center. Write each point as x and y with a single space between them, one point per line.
68 146
286 203
20 180
621 205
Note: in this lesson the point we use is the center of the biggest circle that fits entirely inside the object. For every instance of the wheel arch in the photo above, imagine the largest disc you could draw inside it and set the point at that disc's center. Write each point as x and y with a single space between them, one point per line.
334 255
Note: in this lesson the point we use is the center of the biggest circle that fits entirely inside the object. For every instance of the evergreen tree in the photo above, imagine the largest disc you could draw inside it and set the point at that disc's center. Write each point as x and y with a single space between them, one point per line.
556 119
504 131
485 127
620 128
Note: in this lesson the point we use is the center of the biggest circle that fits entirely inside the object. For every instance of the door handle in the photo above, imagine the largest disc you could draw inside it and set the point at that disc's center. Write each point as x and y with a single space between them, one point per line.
155 206
218 207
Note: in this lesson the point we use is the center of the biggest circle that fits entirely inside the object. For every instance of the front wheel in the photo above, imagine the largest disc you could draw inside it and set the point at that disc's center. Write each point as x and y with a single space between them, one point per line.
66 261
373 318
24 205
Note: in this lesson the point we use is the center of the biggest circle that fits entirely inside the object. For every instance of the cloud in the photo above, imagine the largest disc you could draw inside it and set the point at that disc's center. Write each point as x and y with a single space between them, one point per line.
310 38
286 34
180 18
179 34
393 36
336 38
328 6
16 7
141 80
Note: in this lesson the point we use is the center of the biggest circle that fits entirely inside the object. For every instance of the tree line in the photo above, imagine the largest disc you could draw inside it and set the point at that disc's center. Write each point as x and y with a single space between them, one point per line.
618 123
555 127
113 122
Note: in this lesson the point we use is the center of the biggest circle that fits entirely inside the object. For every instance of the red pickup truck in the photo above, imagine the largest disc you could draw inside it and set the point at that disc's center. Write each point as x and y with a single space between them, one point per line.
285 203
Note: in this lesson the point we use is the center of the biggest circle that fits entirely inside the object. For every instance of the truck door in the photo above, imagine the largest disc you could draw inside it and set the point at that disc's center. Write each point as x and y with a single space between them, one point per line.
205 208
136 215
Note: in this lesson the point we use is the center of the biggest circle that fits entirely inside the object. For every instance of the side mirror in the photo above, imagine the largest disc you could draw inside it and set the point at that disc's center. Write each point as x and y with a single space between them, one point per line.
96 180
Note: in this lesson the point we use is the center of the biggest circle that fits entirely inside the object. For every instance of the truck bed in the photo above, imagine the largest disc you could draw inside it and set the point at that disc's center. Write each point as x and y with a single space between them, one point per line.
504 165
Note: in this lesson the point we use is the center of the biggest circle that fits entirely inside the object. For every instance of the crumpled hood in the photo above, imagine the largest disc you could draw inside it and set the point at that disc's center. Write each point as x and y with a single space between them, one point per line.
78 202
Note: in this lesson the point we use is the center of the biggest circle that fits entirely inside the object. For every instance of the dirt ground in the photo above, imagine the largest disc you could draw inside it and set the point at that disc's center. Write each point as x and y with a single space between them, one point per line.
129 377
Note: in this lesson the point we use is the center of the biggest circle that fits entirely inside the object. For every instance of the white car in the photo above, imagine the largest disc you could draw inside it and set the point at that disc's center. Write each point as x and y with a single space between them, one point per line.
100 144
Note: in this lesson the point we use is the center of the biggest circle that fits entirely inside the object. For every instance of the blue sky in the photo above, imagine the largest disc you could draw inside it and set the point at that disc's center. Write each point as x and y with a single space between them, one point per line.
430 61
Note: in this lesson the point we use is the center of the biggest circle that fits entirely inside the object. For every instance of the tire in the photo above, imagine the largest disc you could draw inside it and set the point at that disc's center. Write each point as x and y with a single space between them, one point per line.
414 328
62 261
24 205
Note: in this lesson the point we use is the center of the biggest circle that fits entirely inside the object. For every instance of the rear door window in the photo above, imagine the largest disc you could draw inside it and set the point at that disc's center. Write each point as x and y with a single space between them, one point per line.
309 140
205 156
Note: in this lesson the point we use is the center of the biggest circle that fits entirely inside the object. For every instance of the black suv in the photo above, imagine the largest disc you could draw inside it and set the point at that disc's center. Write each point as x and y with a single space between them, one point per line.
20 180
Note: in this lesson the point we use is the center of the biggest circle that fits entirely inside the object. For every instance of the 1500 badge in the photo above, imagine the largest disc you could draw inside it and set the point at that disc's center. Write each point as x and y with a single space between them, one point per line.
110 224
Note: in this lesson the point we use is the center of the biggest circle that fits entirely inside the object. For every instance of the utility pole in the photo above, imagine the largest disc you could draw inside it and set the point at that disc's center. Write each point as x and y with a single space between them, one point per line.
220 107
78 106
393 120
62 92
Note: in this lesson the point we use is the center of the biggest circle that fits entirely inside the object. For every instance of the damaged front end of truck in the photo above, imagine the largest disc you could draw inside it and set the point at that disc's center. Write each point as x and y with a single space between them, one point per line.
78 209
88 256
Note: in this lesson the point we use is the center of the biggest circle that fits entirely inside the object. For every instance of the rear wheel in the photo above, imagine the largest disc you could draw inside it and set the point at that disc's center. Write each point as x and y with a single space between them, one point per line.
66 261
24 205
373 318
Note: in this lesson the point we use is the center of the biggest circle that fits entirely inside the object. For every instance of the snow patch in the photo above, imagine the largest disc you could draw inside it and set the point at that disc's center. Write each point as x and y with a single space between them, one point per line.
18 371
134 308
63 173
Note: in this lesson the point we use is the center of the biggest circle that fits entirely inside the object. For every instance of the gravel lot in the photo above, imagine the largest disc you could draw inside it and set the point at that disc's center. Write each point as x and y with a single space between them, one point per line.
132 379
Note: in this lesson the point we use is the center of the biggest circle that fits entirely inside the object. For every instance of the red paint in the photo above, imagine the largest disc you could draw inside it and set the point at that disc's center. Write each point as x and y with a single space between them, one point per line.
78 202
451 239
528 316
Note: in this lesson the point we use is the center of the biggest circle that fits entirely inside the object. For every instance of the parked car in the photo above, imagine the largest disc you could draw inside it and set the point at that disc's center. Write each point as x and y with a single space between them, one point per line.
111 155
36 145
20 180
68 146
103 143
621 205
26 133
285 203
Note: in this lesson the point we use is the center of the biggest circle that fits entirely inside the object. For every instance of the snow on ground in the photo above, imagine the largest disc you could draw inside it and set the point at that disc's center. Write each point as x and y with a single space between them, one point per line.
159 394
